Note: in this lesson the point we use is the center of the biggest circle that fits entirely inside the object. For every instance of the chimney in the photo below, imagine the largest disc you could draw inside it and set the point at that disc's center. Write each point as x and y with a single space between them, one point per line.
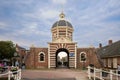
109 42
100 45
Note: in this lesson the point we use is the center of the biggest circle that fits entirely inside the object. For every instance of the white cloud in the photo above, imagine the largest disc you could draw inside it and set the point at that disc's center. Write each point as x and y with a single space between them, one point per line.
20 41
49 14
59 1
3 25
32 29
42 14
38 16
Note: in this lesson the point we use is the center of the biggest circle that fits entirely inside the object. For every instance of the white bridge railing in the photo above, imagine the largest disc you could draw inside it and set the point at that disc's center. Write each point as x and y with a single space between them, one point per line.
102 74
16 75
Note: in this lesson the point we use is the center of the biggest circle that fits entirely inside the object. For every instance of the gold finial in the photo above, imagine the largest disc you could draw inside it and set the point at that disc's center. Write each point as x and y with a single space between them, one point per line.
62 15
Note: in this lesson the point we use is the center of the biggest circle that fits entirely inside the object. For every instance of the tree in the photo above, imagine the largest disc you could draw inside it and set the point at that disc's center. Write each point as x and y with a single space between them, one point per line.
7 49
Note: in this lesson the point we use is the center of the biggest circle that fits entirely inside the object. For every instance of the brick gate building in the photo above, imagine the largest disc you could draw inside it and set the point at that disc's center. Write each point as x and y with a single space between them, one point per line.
62 41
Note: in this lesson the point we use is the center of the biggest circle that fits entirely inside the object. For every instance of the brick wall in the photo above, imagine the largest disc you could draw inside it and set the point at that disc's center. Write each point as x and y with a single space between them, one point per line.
33 58
91 57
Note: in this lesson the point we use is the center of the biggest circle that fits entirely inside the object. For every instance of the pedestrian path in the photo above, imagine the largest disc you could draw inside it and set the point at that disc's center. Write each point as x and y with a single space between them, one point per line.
51 79
81 78
56 74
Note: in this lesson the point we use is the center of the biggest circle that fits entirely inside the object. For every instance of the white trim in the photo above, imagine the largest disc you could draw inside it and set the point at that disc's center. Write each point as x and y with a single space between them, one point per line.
75 56
104 62
114 62
109 62
85 56
48 55
39 56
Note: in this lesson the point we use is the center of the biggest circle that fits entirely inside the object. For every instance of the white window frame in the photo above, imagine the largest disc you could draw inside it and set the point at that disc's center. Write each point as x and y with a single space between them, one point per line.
114 62
104 62
85 56
109 62
39 57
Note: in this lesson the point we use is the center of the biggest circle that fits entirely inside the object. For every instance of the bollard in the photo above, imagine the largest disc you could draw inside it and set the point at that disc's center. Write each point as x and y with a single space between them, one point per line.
89 74
94 74
101 74
111 76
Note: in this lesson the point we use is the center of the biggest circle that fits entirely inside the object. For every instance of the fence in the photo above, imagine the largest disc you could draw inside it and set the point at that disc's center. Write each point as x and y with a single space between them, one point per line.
102 74
16 75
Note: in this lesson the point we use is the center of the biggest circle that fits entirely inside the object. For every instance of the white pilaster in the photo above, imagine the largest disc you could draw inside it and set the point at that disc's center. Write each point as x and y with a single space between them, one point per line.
48 55
75 55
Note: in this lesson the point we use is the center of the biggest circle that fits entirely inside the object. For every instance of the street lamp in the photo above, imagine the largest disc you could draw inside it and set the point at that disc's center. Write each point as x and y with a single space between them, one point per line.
15 59
15 54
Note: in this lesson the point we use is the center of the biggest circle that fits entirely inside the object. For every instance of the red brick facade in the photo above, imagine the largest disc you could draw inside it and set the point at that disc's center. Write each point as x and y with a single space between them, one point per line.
91 57
62 40
33 61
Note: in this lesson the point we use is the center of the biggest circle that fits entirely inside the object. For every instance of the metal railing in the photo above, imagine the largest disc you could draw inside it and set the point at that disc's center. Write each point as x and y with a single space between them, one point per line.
102 74
16 75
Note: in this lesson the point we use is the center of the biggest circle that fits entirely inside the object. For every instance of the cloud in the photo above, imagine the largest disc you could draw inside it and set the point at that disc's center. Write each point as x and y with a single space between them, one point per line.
59 1
16 40
30 21
3 25
43 14
49 14
32 28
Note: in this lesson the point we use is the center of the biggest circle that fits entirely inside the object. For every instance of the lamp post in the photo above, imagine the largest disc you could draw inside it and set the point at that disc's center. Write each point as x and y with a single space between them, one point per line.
15 59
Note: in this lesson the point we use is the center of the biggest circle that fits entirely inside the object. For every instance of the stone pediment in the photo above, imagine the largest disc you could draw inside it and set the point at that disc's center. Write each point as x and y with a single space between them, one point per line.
62 40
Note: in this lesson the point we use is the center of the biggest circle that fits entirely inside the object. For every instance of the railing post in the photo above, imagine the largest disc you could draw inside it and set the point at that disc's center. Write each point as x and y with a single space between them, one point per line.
89 74
20 74
94 73
117 76
17 76
9 75
111 74
101 74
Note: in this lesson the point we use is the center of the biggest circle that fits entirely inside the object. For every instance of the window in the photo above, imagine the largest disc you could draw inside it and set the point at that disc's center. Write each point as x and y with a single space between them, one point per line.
114 62
109 62
41 57
105 62
82 56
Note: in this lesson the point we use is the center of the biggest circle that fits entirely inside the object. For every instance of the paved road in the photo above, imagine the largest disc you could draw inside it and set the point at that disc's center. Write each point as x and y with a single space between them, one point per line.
55 74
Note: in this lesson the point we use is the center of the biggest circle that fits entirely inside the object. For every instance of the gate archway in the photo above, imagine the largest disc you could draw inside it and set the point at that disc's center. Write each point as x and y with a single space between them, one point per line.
62 58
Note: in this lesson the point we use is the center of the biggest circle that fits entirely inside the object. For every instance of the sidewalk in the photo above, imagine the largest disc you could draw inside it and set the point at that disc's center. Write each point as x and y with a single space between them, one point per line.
56 74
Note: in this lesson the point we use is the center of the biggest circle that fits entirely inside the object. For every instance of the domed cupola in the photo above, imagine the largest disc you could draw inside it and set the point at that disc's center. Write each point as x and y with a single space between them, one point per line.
62 22
62 29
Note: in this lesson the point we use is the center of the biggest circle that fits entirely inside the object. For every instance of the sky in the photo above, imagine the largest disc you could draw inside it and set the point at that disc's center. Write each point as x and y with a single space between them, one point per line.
29 22
62 54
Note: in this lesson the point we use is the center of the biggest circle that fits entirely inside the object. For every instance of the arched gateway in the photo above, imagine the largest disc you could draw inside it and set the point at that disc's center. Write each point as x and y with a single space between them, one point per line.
62 61
62 41
62 32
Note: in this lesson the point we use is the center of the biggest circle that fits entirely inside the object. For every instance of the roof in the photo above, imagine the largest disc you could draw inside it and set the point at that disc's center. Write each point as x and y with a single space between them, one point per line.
19 47
62 23
112 50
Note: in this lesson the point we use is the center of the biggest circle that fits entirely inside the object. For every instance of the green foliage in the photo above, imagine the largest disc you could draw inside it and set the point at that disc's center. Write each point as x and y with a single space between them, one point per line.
7 49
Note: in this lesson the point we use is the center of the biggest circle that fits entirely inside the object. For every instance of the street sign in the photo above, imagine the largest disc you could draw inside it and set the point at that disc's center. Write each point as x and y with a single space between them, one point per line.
71 54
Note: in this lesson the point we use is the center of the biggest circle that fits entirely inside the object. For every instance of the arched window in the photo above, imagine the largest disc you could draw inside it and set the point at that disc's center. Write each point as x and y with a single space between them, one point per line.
41 57
82 56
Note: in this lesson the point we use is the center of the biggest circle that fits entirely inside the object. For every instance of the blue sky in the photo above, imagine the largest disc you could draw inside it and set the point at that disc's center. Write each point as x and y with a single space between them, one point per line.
28 22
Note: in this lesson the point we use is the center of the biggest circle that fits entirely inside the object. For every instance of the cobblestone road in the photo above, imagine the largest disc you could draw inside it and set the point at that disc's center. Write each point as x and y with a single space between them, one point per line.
55 74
